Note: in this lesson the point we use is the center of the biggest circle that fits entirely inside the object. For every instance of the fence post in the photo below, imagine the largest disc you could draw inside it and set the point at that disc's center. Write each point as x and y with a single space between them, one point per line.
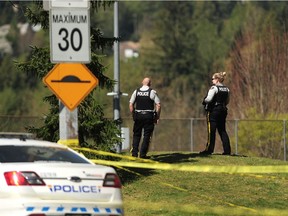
236 136
284 138
191 135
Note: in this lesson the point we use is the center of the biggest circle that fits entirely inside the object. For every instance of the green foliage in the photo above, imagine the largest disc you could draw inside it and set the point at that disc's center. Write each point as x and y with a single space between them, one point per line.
50 130
15 89
11 101
93 127
93 122
39 63
169 55
7 73
13 37
261 137
10 11
214 32
37 16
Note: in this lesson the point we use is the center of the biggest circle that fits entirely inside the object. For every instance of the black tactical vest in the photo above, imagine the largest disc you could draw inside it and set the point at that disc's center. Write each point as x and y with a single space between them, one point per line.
222 95
143 100
219 99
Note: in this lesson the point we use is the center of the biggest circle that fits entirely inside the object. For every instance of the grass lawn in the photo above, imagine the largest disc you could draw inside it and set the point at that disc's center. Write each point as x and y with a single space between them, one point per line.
172 192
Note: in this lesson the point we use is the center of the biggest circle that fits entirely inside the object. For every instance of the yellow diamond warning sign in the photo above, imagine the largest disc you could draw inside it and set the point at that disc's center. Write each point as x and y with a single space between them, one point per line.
71 83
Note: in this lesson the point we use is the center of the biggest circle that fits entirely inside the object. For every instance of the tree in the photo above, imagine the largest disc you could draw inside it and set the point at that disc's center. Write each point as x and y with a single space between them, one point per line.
170 56
7 13
186 45
259 71
93 127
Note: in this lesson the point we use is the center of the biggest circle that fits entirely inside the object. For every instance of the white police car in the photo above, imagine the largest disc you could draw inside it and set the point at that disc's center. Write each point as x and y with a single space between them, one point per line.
40 178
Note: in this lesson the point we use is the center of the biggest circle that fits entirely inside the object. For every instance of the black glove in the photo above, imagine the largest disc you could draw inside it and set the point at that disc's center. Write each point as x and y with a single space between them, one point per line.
203 102
134 115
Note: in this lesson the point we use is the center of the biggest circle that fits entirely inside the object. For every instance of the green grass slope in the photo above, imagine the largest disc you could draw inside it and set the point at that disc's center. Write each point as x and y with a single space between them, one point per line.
172 192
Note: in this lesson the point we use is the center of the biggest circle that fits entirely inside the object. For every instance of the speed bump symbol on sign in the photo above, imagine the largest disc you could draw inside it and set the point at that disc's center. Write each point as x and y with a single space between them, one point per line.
71 83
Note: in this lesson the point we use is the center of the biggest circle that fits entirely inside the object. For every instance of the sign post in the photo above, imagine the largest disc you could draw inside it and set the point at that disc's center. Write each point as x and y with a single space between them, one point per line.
68 126
69 43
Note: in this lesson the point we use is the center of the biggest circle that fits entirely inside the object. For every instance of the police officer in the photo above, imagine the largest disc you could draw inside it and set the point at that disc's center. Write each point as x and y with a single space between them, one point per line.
215 104
145 107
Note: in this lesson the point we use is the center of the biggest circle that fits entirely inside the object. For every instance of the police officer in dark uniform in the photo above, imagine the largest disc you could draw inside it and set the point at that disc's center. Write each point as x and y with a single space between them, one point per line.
215 104
145 107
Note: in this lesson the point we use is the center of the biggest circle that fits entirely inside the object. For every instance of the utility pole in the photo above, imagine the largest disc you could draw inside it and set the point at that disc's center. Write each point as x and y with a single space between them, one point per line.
116 98
116 91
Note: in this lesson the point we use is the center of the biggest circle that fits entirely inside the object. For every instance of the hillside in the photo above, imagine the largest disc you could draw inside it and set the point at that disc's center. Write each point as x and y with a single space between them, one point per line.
180 60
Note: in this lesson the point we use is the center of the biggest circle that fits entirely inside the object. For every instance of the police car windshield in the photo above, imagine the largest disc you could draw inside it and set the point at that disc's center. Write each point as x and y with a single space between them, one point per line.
14 154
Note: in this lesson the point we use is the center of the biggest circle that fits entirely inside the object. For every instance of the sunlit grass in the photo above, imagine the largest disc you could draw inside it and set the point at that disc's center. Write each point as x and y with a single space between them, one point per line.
172 192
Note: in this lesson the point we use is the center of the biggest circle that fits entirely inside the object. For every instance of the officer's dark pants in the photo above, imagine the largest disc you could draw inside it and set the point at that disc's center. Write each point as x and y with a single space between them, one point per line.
216 119
142 122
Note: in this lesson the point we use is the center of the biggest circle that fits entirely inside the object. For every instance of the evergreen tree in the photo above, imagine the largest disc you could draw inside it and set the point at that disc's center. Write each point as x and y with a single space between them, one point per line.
92 124
173 56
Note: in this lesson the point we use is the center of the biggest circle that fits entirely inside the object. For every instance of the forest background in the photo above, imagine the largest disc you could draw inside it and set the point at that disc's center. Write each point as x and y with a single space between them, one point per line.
182 43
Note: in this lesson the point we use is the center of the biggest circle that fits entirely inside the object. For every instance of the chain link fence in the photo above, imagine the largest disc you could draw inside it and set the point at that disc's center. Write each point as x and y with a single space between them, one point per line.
18 123
259 138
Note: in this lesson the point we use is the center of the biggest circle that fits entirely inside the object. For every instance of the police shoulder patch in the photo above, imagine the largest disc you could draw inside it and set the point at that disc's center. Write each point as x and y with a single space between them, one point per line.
213 87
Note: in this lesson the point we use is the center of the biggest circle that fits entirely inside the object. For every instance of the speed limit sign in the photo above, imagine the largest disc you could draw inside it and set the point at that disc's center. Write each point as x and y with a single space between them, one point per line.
70 35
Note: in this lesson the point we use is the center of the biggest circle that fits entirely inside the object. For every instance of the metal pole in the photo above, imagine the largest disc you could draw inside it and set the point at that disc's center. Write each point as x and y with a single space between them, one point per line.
116 98
284 138
236 136
191 135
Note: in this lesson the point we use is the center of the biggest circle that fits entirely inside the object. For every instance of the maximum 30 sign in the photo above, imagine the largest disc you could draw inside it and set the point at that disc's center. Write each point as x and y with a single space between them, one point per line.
70 35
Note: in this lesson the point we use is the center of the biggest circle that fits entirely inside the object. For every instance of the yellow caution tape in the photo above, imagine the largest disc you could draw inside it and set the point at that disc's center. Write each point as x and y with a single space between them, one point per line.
150 164
115 155
69 142
228 169
199 168
160 182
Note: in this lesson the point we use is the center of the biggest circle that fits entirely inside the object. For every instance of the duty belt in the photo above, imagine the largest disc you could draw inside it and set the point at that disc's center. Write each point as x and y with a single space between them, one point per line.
144 112
217 104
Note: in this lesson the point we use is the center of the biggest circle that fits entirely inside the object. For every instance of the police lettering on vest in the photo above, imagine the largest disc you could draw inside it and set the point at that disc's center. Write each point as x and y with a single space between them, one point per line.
140 93
223 88
222 95
143 100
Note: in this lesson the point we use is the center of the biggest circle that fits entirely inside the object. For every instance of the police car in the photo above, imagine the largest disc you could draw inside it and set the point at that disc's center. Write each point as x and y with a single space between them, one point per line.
40 178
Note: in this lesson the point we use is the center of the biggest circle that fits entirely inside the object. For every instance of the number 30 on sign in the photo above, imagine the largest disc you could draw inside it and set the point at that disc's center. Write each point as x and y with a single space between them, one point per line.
70 35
